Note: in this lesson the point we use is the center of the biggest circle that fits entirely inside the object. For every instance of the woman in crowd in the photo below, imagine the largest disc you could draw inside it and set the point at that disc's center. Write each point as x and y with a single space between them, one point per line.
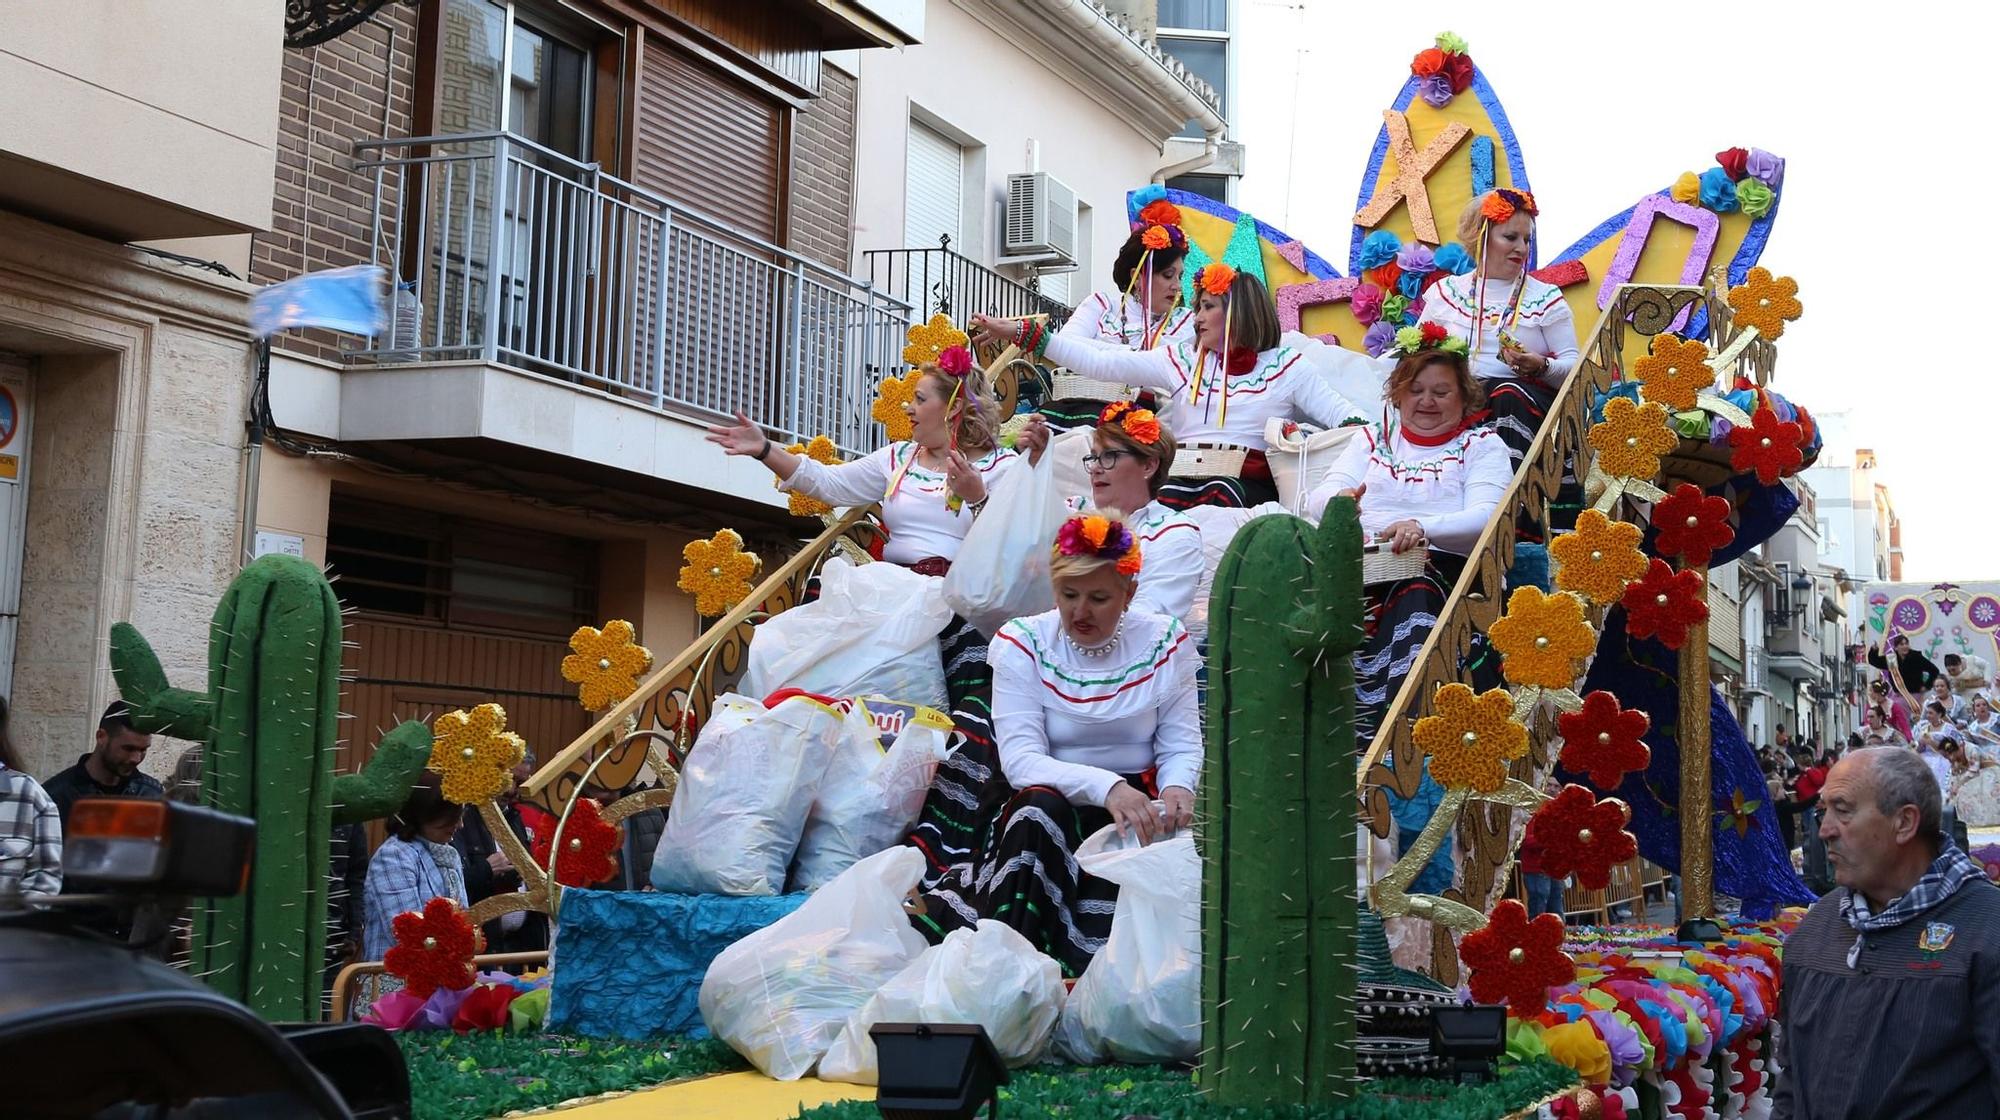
1954 705
1982 726
1131 451
1143 311
1424 477
1931 727
1094 707
414 865
1894 715
31 835
1217 390
1975 781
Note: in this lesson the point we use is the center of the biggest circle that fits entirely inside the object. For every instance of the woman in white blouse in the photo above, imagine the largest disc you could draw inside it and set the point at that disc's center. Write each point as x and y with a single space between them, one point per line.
1424 477
1142 311
1217 390
1130 453
1095 711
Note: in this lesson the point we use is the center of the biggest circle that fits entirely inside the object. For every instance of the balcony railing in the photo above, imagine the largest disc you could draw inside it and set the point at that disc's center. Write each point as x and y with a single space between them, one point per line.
506 251
944 281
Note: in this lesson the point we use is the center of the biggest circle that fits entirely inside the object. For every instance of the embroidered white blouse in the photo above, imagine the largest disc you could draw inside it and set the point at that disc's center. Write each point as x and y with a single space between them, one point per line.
920 524
1544 326
1122 320
1076 723
1169 555
1281 383
1451 490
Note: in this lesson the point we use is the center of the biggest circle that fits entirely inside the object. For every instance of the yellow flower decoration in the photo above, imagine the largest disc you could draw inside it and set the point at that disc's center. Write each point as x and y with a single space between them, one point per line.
1675 372
890 396
1766 302
1542 637
1471 738
606 664
475 753
820 450
928 340
1632 438
1599 558
1577 1046
1686 189
718 573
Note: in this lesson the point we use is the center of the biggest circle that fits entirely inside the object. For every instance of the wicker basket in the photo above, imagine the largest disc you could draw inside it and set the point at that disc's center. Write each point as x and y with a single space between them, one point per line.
1066 386
1380 565
1209 462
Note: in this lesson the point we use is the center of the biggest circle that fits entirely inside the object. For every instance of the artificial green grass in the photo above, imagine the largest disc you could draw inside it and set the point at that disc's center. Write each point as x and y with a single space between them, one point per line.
488 1073
1116 1092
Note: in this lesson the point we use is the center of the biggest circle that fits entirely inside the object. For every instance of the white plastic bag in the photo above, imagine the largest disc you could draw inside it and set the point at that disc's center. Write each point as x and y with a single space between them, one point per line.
780 996
745 792
989 975
1002 569
1301 455
1140 999
869 797
1065 454
873 630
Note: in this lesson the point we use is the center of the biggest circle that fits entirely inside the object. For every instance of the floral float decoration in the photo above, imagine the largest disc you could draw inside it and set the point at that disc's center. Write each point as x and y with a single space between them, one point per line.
1582 835
475 754
1516 961
717 573
606 664
1692 524
588 843
1665 603
433 949
1599 558
1443 70
926 341
1542 639
892 394
433 956
819 449
1604 740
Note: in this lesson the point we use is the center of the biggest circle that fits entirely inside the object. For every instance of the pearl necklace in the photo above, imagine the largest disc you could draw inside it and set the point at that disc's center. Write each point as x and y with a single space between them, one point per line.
1097 652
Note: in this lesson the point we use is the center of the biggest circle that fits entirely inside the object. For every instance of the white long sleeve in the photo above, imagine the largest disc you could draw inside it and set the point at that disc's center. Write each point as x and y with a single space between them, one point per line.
1170 551
1451 490
1145 369
1545 327
1314 395
1020 727
860 482
1177 749
1345 474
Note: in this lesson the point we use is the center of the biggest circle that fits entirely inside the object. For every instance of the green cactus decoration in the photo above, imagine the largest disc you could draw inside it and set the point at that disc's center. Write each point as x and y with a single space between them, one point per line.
268 725
1278 814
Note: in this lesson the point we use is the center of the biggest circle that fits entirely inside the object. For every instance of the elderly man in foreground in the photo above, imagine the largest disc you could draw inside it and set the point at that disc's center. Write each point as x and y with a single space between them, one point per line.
1888 1004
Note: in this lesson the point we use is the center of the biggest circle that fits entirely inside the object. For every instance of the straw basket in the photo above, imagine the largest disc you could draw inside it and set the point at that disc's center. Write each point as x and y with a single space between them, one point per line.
1380 565
1066 386
1199 461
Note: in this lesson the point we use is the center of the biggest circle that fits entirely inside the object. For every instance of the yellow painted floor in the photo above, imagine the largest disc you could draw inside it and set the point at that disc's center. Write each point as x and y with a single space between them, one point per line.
726 1096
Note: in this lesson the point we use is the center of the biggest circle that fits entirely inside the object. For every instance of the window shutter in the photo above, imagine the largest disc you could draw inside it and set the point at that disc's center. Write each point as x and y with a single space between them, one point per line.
935 189
708 142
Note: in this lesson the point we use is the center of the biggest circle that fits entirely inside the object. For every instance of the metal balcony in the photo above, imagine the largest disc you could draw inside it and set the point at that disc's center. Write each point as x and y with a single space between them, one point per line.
508 252
942 281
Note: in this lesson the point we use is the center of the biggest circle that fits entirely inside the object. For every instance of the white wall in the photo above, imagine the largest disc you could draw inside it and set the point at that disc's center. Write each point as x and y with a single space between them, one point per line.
970 83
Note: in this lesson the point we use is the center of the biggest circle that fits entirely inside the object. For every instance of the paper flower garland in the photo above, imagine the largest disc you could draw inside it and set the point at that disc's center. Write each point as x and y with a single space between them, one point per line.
475 753
1580 834
605 664
819 450
1675 372
1215 278
1604 740
718 572
1516 960
588 841
928 340
1442 71
1599 557
1769 446
1471 738
1765 302
1542 637
891 394
1664 603
1631 438
1692 524
433 949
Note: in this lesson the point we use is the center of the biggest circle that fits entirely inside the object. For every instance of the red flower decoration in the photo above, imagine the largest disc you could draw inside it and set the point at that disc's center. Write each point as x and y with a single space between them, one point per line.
1384 276
1736 162
1663 603
433 949
1458 70
1434 333
1160 212
1429 61
1769 446
1241 361
1603 740
588 841
1691 524
1516 960
485 1009
1578 833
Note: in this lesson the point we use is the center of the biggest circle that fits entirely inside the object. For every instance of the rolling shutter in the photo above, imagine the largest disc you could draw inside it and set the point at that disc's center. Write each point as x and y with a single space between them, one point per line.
708 142
935 189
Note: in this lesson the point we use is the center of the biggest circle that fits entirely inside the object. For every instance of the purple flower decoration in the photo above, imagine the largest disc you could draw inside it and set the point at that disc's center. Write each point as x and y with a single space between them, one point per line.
1435 90
1120 542
1379 338
1416 257
1909 615
1366 303
1764 167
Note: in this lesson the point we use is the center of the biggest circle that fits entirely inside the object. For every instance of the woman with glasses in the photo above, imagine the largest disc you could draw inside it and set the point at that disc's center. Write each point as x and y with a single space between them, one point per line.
1130 454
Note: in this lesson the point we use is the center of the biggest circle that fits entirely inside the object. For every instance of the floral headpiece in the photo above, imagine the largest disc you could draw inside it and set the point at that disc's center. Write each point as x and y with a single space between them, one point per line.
954 361
1139 423
1096 535
1430 336
1159 235
1215 278
1500 205
1154 209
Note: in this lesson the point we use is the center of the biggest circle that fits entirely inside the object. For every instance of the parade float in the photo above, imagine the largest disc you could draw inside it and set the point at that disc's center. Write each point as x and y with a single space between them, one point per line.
1307 972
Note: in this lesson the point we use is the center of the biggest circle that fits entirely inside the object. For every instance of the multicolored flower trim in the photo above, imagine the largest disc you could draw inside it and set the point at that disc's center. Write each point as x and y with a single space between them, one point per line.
1743 179
1443 70
1582 835
1502 204
606 664
1603 740
1516 961
496 1001
1139 423
1430 336
433 949
1095 535
1394 279
1471 738
717 573
475 754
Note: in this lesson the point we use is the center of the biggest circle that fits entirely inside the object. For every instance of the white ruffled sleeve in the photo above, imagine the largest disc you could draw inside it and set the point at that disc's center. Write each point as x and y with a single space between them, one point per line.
860 482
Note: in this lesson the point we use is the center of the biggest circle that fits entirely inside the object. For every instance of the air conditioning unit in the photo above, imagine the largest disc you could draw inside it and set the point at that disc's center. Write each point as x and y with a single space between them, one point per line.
1041 219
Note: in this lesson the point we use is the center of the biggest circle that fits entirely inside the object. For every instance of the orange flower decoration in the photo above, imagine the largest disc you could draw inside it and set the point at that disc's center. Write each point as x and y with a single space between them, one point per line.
1580 834
1471 738
433 949
1161 213
1143 426
1542 637
1155 237
1130 563
717 572
1516 960
1631 438
588 841
1766 302
1215 278
1599 558
1496 209
605 664
1604 740
1113 411
1675 372
820 450
1095 529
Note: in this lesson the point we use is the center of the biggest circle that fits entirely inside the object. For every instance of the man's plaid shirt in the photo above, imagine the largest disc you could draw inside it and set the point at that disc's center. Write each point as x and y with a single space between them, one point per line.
30 836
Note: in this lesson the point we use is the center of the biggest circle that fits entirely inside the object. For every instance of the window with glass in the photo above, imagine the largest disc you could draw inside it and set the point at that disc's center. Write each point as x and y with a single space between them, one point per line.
1207 186
1195 15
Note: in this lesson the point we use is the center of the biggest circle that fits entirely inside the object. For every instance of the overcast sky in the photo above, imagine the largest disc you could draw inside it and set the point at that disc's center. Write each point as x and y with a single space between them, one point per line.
1880 119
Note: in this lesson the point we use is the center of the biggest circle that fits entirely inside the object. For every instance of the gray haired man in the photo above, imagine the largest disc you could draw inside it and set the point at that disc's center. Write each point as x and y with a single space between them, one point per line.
1887 1010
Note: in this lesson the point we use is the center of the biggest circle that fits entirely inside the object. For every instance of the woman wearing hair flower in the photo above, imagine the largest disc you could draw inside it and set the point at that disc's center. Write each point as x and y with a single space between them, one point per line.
1130 454
1097 723
1219 389
1424 477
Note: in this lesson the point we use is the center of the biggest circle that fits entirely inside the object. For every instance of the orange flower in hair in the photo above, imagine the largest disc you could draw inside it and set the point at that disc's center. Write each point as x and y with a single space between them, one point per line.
1129 564
1143 426
1094 530
1496 209
1215 278
1113 411
1156 237
1161 213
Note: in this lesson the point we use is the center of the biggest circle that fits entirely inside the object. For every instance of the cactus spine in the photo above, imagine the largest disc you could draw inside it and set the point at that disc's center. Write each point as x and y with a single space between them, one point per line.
1278 814
268 727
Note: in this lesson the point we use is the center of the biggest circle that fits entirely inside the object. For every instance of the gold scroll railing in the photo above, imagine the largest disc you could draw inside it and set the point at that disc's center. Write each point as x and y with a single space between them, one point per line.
1393 762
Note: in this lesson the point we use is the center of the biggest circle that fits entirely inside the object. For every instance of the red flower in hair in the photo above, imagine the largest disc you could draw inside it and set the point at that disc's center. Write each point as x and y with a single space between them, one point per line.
1113 411
1581 834
1458 71
1604 740
1769 446
1735 162
433 949
1692 524
1160 213
1516 960
1664 603
955 361
587 843
1434 333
